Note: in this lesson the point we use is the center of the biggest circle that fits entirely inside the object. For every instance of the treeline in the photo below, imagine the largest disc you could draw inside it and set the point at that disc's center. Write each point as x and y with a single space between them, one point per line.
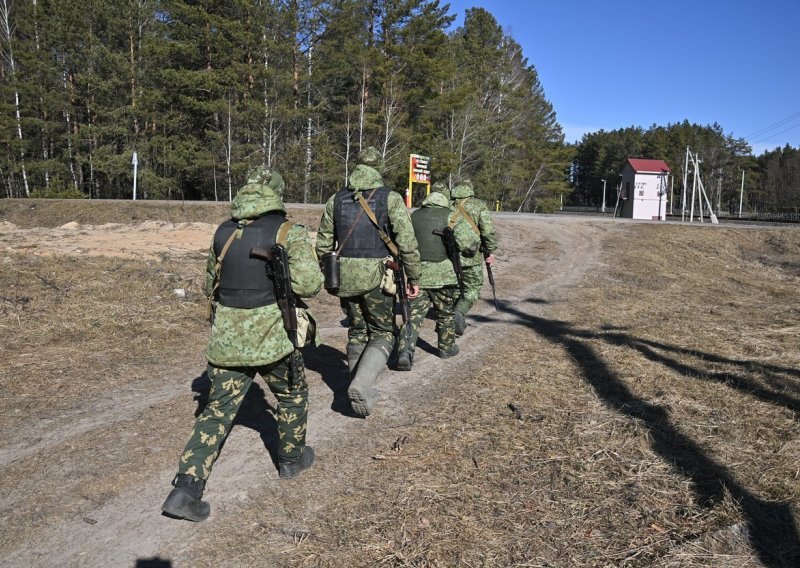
203 91
771 181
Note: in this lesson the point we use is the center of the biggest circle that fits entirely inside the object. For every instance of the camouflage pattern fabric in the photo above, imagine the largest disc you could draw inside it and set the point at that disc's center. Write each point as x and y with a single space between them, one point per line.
464 195
473 282
228 389
371 315
370 157
361 275
262 175
253 337
440 187
443 301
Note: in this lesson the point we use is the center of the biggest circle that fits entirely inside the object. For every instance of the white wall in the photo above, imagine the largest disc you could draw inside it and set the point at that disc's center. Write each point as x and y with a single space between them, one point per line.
643 200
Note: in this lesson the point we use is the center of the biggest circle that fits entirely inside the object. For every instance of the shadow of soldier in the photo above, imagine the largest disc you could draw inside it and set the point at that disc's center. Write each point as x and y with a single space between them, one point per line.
771 526
331 364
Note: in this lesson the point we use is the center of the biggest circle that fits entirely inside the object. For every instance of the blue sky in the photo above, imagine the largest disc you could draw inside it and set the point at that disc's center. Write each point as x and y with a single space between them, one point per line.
613 64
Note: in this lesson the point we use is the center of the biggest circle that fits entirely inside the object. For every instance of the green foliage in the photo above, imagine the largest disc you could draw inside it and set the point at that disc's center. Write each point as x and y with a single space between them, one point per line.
602 155
58 189
204 91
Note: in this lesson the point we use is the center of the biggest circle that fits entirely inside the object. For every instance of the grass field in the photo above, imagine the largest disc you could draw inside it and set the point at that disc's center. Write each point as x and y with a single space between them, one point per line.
645 414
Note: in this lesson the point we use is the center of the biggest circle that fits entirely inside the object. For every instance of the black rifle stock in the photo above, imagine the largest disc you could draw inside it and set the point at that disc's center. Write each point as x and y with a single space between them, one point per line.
278 271
449 239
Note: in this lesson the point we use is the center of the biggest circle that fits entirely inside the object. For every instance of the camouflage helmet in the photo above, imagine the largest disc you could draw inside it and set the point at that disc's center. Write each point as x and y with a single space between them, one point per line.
462 189
262 175
441 187
370 157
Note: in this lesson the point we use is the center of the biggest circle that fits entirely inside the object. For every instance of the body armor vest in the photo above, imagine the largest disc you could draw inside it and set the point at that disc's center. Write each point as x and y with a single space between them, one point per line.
350 219
243 281
425 221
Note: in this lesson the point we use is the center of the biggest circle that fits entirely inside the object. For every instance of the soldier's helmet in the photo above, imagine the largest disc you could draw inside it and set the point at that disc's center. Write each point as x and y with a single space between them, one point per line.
462 189
370 157
262 175
441 187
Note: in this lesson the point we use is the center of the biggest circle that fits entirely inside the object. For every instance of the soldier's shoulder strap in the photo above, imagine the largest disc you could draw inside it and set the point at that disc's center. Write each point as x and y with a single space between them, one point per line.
384 237
461 212
237 232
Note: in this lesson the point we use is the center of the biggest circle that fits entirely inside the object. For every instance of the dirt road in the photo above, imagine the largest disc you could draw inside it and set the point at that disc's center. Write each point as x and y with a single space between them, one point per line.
123 445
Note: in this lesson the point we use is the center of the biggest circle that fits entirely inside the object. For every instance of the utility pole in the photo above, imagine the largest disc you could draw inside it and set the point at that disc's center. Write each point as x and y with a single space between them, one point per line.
603 206
741 196
135 162
685 174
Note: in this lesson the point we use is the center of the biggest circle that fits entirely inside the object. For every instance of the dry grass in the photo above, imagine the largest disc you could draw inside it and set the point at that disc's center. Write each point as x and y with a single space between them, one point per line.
27 213
650 420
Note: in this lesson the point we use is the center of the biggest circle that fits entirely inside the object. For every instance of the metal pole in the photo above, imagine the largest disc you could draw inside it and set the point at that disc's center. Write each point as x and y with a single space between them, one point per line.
685 174
135 162
741 196
603 206
694 185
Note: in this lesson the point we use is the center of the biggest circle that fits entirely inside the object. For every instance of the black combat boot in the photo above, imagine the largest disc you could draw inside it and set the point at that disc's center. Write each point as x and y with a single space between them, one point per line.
287 469
405 360
447 354
184 501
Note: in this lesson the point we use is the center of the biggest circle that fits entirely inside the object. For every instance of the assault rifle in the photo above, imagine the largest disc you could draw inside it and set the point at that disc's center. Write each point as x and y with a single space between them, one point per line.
399 273
449 239
490 274
278 271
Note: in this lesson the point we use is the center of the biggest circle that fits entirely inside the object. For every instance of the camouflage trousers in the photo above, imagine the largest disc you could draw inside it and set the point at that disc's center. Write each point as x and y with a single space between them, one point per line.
444 302
228 389
473 282
370 315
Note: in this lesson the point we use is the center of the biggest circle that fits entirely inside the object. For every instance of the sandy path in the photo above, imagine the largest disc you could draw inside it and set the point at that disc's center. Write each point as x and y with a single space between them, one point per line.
540 259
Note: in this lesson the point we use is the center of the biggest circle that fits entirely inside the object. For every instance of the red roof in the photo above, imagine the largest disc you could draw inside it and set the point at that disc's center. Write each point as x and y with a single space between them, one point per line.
657 166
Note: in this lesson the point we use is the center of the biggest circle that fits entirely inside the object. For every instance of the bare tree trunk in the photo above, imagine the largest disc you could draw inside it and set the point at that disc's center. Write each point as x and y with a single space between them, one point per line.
347 139
362 107
309 132
5 29
68 119
45 146
391 120
228 154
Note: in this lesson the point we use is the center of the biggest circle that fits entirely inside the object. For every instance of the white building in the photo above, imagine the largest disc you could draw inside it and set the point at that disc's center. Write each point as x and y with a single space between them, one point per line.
643 189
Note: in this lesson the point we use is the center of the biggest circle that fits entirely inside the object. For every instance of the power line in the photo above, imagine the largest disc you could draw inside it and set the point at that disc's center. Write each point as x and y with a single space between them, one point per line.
770 136
772 126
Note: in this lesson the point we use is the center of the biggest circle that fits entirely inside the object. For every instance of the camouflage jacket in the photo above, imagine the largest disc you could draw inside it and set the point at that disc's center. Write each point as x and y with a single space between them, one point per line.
477 209
360 275
252 337
440 274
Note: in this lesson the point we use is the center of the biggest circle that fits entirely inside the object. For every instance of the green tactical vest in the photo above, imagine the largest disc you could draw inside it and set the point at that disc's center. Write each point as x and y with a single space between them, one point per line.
425 221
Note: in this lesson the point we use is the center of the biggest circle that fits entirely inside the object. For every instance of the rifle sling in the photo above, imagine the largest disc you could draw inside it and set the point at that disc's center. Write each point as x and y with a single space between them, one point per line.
461 212
234 235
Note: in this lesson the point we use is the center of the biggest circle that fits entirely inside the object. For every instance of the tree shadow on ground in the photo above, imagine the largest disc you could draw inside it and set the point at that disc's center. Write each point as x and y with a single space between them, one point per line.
255 412
771 526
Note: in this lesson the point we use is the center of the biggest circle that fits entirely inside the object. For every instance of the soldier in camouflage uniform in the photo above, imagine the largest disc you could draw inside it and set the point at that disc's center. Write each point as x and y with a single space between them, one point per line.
476 212
248 338
438 279
345 227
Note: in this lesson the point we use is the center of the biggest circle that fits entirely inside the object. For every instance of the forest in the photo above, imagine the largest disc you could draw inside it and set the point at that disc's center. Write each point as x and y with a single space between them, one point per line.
198 92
